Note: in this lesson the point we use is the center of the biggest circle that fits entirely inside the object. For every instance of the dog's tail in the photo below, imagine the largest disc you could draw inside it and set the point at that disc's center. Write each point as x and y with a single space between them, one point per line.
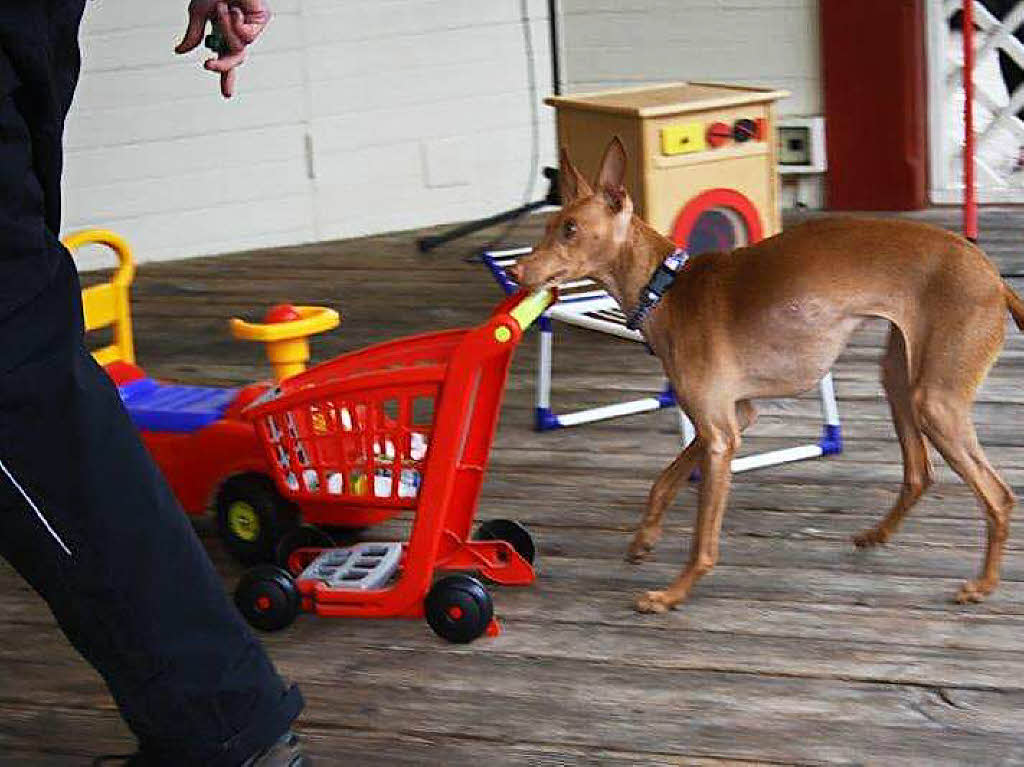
1015 304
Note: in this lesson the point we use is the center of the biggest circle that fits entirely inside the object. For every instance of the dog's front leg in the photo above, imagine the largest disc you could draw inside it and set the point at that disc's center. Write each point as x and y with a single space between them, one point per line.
721 441
662 493
666 488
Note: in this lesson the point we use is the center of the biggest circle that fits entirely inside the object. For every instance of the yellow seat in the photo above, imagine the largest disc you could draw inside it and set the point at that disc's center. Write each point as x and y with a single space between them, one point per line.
107 304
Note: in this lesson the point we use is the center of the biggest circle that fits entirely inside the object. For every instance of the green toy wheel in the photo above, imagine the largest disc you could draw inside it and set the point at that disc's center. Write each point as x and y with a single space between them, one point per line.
252 517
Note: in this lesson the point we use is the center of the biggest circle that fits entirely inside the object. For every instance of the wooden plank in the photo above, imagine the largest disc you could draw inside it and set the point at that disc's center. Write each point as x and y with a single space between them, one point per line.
642 708
796 649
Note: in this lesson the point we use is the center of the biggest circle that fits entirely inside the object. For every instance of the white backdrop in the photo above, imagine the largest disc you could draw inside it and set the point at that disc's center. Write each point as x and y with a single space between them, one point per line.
352 118
774 43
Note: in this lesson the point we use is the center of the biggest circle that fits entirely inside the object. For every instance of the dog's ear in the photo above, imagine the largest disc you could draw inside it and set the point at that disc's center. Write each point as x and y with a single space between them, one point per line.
612 174
615 197
571 184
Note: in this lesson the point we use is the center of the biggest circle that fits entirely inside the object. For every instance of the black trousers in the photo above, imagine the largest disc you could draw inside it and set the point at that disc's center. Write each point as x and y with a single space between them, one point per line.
85 516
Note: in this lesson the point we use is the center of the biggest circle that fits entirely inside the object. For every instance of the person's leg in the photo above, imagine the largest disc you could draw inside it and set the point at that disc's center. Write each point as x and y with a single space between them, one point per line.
85 516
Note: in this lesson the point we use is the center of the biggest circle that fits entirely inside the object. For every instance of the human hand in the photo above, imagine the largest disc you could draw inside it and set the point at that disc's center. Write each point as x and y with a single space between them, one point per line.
238 23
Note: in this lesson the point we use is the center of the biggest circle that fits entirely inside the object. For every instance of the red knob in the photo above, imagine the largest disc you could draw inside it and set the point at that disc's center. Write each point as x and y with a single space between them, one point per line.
719 134
281 313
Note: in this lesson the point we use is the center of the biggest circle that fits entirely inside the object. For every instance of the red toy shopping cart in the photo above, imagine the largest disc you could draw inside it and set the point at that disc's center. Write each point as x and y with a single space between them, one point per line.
406 424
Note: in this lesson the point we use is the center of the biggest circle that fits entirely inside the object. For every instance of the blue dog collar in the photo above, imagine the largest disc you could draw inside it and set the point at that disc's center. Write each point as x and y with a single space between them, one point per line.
657 286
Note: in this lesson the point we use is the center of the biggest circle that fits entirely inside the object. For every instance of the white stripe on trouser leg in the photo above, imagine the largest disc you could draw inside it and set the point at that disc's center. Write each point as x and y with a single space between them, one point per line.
34 508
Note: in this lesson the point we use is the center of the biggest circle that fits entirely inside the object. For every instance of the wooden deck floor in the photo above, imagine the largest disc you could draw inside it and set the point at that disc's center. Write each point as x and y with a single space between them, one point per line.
796 650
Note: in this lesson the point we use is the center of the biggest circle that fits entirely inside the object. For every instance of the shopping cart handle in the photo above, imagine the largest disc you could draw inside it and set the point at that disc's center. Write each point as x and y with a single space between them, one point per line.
532 307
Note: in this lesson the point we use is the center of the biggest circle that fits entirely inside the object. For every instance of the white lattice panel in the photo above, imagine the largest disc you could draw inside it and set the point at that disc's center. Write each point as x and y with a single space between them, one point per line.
999 133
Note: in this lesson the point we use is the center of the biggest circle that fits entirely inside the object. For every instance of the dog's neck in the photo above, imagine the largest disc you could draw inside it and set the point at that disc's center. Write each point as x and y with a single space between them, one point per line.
631 266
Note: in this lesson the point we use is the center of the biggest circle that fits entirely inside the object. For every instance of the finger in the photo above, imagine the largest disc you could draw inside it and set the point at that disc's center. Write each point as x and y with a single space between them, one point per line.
248 28
225 62
238 26
227 29
227 83
193 34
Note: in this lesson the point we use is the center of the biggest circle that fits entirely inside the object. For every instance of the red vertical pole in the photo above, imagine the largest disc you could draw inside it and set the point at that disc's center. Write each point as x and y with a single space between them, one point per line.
970 192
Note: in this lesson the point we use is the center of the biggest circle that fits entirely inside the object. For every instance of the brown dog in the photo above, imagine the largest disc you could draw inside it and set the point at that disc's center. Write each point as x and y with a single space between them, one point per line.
770 319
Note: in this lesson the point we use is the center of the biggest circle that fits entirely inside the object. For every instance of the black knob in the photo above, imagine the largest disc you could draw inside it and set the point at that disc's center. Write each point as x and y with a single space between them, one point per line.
744 130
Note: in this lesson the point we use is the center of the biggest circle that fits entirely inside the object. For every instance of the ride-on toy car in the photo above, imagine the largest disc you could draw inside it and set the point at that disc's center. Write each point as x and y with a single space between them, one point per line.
415 418
198 435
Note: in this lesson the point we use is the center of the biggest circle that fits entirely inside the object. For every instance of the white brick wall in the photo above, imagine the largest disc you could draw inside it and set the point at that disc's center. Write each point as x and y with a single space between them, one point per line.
415 112
773 43
608 43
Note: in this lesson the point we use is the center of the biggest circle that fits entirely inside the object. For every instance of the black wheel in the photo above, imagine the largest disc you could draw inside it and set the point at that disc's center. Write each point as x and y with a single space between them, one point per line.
459 608
267 598
301 537
345 536
252 517
512 533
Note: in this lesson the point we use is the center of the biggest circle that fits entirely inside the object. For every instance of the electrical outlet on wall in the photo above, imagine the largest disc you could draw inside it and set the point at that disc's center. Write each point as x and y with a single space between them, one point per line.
801 145
446 162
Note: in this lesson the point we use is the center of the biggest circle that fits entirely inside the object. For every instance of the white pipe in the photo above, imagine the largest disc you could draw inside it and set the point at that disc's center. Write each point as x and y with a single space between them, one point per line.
829 408
592 323
686 426
582 296
775 457
609 411
509 252
544 369
582 308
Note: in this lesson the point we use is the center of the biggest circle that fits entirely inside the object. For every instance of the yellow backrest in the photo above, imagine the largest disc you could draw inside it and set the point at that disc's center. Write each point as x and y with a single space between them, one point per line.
107 304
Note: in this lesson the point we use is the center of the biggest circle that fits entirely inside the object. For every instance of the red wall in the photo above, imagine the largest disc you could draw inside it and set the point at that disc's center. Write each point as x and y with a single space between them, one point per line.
873 59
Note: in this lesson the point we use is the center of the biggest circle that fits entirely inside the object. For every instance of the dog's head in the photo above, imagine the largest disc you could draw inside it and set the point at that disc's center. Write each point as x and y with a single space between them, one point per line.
583 238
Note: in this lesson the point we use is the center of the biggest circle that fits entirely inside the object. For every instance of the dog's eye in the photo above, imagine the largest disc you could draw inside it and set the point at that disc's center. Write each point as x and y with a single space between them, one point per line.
569 229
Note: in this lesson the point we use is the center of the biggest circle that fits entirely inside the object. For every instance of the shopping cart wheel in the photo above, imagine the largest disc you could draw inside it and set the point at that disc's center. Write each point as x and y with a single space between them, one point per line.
267 598
511 532
303 536
252 517
459 608
344 536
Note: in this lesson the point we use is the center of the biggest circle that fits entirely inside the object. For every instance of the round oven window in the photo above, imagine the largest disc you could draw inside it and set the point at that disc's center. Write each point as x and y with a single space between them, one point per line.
717 229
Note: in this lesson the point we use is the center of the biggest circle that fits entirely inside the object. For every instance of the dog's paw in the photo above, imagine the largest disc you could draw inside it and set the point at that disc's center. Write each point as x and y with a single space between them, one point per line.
870 538
640 548
974 591
653 602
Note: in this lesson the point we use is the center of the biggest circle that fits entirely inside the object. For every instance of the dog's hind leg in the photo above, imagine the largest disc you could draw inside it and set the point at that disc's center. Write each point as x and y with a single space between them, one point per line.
954 361
946 419
917 466
667 486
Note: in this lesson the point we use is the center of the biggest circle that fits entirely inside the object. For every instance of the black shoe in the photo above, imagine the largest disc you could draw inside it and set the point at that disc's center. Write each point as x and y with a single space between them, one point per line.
285 753
126 760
